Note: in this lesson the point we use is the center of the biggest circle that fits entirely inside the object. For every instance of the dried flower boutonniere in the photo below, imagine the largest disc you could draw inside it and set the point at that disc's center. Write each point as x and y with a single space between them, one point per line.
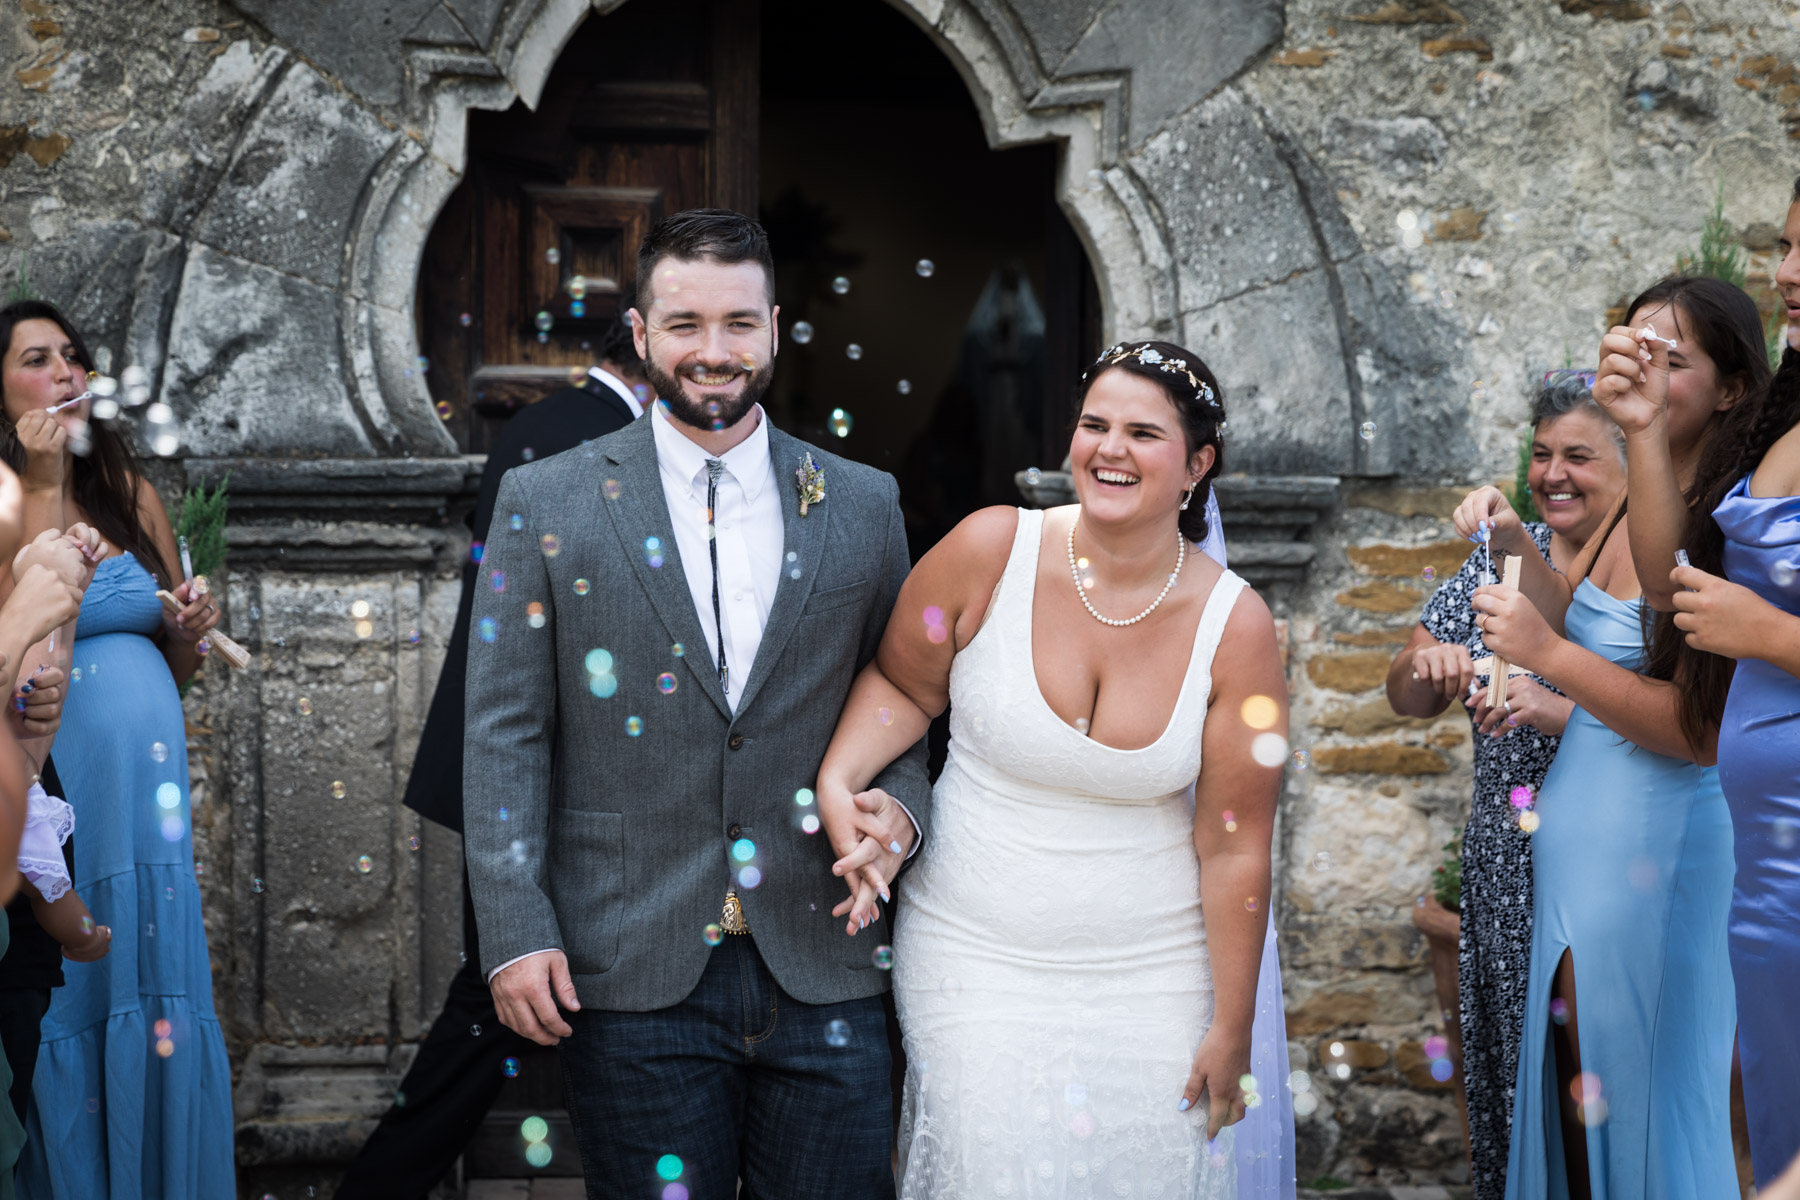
811 482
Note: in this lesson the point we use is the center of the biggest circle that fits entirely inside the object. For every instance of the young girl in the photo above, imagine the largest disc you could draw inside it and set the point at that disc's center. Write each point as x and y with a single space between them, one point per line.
1738 524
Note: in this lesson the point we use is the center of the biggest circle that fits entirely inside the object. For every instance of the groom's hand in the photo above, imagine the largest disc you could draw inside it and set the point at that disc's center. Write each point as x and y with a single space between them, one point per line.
887 836
526 995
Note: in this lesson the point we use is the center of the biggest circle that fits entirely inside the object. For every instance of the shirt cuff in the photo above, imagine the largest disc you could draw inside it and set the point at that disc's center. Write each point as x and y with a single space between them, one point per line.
918 834
509 962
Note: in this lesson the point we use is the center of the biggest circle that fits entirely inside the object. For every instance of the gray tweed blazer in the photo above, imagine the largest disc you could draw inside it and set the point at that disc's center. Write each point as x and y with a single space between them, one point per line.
600 810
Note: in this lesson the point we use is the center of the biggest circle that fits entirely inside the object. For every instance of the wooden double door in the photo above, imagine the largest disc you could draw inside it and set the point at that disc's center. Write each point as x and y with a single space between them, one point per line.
650 110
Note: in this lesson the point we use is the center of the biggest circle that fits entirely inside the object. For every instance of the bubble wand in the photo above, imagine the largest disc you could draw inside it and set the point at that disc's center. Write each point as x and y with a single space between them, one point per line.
70 403
228 649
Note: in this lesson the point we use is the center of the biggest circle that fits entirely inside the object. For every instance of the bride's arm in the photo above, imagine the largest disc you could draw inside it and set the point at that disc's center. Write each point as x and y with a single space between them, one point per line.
895 697
1234 817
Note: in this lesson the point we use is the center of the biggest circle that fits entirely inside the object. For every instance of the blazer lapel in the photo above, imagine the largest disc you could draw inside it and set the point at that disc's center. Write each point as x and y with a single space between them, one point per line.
803 542
641 512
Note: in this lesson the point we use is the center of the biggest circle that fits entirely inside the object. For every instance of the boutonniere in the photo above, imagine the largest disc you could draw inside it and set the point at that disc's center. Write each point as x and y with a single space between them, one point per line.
811 482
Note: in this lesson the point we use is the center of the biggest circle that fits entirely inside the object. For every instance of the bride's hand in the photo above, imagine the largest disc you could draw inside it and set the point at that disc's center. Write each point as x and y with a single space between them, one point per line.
860 907
1219 1064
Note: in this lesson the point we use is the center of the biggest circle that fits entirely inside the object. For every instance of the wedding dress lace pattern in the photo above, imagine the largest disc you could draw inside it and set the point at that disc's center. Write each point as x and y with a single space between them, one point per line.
1050 961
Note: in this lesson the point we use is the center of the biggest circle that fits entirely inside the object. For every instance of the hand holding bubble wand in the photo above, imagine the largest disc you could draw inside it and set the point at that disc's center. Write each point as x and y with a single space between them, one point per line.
228 649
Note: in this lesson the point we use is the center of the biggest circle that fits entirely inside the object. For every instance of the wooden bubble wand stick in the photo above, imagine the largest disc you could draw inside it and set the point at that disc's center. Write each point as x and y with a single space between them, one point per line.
1497 669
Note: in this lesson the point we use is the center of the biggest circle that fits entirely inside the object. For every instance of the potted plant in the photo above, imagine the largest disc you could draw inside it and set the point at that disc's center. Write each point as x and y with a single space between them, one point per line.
1438 916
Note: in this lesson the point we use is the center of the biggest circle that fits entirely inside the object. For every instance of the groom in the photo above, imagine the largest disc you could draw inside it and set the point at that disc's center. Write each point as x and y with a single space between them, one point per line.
666 627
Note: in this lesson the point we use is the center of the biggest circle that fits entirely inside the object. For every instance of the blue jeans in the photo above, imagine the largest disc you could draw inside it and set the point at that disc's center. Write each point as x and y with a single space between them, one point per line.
740 1081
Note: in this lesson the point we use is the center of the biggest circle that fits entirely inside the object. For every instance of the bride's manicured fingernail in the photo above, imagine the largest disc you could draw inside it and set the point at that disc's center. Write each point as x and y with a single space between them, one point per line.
894 846
885 896
1184 1105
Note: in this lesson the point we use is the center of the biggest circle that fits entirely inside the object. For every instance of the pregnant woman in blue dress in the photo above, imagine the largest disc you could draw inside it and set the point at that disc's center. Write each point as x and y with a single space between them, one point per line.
132 1096
1739 600
1624 1072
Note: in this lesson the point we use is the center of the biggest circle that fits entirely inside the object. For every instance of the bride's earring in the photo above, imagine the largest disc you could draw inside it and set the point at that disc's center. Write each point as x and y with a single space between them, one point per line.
1189 498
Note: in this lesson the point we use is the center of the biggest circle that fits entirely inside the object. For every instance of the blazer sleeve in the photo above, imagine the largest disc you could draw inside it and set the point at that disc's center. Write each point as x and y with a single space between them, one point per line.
510 729
905 779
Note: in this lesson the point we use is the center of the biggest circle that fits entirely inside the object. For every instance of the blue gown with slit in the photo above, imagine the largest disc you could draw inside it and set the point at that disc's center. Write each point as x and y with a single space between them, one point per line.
1633 877
132 1096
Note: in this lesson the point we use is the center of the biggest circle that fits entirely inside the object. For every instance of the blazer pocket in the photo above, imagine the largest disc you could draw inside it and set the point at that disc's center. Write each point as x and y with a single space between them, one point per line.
587 885
837 597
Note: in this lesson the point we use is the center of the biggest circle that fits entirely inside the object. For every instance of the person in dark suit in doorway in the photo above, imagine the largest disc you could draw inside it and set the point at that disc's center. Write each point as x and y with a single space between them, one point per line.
458 1073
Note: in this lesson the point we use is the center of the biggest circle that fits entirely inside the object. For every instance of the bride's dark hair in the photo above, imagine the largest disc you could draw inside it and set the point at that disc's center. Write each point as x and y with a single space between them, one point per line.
1198 399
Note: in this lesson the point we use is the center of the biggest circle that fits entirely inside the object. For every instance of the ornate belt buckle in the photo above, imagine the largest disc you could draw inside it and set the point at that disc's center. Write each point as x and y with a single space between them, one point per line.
733 919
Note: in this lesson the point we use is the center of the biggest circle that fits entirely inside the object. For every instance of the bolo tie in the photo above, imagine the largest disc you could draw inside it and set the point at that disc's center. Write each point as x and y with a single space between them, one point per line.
715 468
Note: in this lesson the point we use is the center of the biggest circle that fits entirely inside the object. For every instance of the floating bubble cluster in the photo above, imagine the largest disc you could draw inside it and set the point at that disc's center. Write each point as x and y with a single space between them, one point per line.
653 551
840 422
802 332
883 958
925 268
837 1033
936 631
853 351
536 1132
601 680
840 285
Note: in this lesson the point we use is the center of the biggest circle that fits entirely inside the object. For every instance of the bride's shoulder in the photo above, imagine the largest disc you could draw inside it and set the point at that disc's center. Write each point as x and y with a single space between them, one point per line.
982 534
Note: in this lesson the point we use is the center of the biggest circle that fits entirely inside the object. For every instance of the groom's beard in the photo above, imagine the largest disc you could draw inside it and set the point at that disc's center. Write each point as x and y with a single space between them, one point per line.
713 413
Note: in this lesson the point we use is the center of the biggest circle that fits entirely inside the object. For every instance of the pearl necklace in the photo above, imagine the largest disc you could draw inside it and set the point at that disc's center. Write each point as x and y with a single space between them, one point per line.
1075 573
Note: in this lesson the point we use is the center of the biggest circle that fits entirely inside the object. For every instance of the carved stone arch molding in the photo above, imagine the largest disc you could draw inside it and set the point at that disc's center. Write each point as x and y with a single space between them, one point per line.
1018 103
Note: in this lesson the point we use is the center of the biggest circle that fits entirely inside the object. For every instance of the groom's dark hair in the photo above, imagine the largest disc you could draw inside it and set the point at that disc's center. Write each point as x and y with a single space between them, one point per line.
704 233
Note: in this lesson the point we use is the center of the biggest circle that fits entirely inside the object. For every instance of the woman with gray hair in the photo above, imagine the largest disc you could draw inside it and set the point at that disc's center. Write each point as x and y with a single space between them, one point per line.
1577 470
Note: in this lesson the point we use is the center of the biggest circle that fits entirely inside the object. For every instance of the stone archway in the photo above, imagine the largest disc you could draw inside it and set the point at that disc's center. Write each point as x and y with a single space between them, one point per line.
1108 206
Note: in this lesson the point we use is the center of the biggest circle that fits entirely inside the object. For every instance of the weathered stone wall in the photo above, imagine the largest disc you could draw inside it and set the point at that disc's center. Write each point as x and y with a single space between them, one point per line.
235 197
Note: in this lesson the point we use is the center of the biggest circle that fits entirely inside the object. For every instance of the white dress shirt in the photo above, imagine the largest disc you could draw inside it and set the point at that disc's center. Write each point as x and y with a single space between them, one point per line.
751 533
621 388
750 537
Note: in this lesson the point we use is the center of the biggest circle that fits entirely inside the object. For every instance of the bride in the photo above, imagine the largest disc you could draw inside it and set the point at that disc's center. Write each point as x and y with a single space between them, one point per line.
1075 967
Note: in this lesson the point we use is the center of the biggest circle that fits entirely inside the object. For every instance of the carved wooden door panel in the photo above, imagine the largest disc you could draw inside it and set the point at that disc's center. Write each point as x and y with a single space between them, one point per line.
651 109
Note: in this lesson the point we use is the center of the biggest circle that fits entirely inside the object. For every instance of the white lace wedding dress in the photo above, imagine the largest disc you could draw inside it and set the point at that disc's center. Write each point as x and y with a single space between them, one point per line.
1050 962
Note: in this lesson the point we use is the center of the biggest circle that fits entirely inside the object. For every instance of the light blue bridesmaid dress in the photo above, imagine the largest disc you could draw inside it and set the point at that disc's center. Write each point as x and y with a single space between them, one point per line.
132 1097
1759 766
1633 876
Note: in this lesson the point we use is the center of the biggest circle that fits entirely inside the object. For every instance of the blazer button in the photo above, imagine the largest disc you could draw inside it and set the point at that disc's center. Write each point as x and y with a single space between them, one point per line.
735 741
735 832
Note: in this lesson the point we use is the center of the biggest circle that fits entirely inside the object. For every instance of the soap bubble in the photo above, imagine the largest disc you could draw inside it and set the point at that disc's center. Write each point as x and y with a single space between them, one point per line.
1406 218
749 877
1782 574
840 285
634 726
1033 476
543 321
1299 760
1322 861
534 1129
1250 904
611 488
551 546
1520 797
666 683
885 716
1430 574
853 351
1096 180
168 795
553 256
809 823
474 1031
337 789
712 935
804 797
1442 1069
413 842
466 320
105 409
653 551
159 752
1366 431
841 422
904 387
534 615
678 650
837 1033
256 885
365 864
883 958
510 1068
577 287
802 332
669 1166
488 629
165 439
925 268
1528 822
743 850
581 587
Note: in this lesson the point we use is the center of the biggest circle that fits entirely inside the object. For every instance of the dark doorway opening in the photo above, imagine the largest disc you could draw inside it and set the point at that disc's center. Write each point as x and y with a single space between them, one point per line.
872 164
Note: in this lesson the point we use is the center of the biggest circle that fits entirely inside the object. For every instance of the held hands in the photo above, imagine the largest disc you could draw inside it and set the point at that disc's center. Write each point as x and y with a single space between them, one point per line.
1488 507
198 615
1632 382
527 993
42 600
1512 627
1722 617
871 834
1530 702
1446 667
1219 1064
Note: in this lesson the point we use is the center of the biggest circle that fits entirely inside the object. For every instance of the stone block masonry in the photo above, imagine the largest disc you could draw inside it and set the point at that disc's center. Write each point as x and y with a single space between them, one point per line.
1380 220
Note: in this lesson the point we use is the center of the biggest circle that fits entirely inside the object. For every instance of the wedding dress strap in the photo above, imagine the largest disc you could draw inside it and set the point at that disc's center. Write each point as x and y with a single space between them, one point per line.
1212 622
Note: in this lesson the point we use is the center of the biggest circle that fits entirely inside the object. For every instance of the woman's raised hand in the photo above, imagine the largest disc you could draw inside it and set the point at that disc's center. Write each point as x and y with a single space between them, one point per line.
44 440
1486 509
1632 382
1527 703
198 614
1511 626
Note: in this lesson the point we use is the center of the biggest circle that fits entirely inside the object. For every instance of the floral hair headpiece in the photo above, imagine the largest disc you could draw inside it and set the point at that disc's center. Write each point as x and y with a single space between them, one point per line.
1150 356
